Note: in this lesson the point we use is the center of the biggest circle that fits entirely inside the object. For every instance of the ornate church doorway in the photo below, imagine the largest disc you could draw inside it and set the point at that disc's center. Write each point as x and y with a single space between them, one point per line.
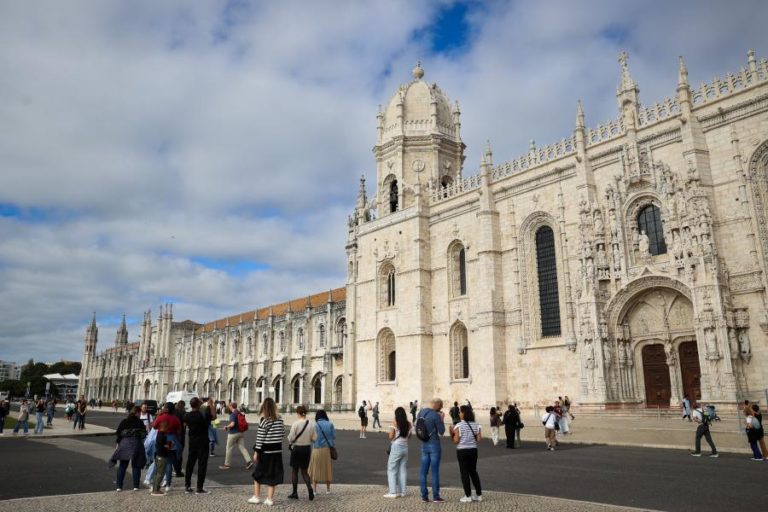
658 389
690 370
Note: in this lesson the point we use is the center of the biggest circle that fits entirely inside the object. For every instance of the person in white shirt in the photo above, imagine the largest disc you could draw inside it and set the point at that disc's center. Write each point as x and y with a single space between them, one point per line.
397 472
549 419
466 434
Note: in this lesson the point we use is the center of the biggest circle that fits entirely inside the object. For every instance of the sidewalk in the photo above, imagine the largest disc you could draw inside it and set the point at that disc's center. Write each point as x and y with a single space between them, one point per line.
593 429
61 428
357 498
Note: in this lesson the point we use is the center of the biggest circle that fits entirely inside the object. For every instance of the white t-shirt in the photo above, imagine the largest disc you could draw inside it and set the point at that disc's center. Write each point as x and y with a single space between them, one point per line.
466 438
549 419
399 440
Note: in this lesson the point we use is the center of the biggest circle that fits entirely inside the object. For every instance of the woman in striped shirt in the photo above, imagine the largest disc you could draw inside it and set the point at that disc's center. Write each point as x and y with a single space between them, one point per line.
268 452
466 435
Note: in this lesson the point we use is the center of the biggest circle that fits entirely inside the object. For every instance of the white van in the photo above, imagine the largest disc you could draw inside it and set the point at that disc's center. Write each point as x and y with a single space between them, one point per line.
175 396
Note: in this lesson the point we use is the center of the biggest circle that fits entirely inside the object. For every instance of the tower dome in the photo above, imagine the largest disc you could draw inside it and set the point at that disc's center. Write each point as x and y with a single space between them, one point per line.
418 108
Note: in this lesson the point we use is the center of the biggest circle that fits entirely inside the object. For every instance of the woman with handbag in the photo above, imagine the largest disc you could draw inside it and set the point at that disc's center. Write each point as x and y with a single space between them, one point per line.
397 473
323 451
130 448
466 435
268 453
300 444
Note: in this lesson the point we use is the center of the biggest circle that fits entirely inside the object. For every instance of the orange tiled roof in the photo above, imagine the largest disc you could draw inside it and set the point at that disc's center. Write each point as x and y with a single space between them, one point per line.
313 301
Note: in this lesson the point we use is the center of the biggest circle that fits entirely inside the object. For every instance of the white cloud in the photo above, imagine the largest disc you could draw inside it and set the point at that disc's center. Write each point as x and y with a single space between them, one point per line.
148 136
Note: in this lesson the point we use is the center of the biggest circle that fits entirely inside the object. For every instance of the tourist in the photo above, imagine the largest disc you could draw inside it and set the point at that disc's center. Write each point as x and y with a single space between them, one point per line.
179 411
146 417
320 465
213 433
235 438
23 419
69 410
562 421
453 412
466 434
114 405
397 472
567 407
686 405
268 452
376 416
39 415
414 410
549 419
170 426
300 444
511 420
754 428
362 412
51 410
4 410
761 435
81 408
130 448
197 423
495 423
163 449
431 452
703 420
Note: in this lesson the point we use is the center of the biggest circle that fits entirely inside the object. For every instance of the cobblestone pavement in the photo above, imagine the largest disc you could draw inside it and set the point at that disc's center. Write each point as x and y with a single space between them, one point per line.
358 498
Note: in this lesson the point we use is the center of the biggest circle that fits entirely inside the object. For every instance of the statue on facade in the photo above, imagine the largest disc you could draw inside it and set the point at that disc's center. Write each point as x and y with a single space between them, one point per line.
589 355
710 341
607 355
745 346
643 243
599 227
602 260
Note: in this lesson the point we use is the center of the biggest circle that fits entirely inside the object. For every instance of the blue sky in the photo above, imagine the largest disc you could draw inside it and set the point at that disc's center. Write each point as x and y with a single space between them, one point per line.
208 153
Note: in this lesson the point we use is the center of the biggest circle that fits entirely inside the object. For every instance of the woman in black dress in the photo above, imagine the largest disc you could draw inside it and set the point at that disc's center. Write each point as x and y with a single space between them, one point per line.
268 453
511 424
300 443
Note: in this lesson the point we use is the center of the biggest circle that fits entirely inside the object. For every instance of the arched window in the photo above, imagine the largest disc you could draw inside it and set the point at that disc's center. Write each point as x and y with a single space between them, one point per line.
457 259
296 386
338 389
300 338
549 298
393 196
387 356
317 389
321 336
282 341
649 221
459 351
387 285
278 390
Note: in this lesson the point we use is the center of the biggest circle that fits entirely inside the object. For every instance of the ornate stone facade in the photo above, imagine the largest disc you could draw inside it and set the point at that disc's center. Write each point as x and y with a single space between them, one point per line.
624 266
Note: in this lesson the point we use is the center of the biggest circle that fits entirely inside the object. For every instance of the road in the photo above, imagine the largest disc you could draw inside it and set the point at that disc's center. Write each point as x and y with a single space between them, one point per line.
640 477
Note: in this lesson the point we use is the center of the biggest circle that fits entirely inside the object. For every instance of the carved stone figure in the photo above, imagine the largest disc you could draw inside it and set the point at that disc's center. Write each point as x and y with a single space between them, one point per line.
643 243
589 355
599 227
602 260
710 341
745 346
614 225
607 355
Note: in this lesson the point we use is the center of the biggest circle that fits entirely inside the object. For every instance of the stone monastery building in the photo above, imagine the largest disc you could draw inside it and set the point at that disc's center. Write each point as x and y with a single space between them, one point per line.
624 266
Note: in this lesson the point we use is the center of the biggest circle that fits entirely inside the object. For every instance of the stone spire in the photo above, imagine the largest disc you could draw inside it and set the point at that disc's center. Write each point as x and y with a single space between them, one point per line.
682 73
628 92
91 336
122 334
579 116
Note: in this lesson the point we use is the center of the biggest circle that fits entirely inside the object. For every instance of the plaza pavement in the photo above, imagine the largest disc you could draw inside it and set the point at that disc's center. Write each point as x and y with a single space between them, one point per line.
61 428
357 498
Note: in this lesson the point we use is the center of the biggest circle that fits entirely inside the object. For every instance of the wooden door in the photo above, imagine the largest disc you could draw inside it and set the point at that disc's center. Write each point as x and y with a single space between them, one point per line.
656 372
690 370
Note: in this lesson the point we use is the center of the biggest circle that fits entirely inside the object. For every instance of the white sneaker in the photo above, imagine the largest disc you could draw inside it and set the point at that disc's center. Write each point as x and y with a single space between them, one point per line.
391 495
268 502
477 498
465 499
254 499
402 495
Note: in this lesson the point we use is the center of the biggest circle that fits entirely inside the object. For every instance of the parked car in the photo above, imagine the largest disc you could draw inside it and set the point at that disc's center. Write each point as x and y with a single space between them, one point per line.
151 405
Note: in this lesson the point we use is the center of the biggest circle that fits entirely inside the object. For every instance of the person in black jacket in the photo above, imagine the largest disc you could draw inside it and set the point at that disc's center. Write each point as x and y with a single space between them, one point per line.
130 448
511 423
198 422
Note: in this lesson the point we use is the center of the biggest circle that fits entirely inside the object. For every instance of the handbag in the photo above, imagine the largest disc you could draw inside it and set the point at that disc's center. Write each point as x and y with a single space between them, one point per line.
290 445
334 453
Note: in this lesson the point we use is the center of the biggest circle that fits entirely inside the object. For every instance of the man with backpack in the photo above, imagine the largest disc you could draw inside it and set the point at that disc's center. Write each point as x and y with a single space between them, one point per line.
362 412
236 428
703 418
454 414
376 415
430 426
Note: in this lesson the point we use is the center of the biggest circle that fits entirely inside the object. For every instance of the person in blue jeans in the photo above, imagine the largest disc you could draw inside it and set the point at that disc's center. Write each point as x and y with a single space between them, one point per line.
39 414
23 420
431 452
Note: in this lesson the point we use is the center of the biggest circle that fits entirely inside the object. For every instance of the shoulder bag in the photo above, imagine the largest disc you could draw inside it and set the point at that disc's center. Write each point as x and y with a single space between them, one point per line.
290 445
334 453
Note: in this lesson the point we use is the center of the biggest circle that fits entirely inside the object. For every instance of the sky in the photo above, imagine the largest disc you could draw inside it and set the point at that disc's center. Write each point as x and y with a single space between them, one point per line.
207 153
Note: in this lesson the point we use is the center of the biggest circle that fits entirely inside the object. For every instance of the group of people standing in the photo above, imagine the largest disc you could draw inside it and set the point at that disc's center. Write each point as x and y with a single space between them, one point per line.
44 411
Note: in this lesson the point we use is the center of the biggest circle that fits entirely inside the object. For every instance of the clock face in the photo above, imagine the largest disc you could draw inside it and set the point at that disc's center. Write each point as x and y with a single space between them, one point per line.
418 165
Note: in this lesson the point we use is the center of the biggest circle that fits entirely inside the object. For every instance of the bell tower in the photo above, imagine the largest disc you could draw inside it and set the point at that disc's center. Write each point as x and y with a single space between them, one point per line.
418 142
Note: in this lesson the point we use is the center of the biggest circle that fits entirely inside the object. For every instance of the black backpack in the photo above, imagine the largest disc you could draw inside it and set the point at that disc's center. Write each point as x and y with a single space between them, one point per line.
421 429
361 412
